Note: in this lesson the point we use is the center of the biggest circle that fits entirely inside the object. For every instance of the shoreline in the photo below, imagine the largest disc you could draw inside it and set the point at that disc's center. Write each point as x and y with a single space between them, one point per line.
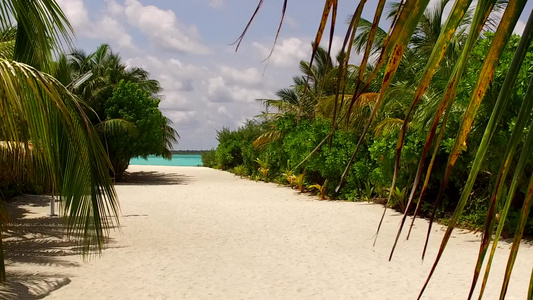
200 233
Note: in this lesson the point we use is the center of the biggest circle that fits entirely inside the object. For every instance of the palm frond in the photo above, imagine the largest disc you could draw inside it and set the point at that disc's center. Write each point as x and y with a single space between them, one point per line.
41 29
266 138
387 126
501 37
117 127
70 152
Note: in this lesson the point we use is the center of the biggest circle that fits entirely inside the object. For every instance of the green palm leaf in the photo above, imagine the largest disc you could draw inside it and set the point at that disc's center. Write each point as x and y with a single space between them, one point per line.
483 11
530 293
501 37
117 126
515 139
69 150
454 20
41 28
407 21
266 138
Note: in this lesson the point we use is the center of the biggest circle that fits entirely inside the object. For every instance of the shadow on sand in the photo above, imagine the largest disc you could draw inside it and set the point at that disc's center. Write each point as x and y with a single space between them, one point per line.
154 178
34 246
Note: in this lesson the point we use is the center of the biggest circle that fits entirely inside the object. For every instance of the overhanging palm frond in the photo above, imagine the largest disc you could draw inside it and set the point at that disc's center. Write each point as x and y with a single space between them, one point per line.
530 293
387 126
7 42
266 138
68 149
361 39
360 111
449 39
117 126
41 29
170 136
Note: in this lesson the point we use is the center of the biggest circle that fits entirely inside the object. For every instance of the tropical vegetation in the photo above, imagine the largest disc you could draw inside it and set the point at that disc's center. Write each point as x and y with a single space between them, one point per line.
430 120
124 105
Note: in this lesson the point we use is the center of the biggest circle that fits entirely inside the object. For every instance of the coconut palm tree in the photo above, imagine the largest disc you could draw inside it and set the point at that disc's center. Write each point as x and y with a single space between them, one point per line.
42 117
94 77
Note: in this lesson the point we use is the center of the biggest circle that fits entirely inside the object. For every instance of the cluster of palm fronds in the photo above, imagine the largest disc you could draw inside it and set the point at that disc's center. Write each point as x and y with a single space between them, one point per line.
51 131
94 77
453 45
45 131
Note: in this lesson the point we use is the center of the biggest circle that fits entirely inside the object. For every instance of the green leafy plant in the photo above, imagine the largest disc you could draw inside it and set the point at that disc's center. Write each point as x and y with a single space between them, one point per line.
320 188
368 191
288 174
299 181
240 171
399 198
209 159
263 167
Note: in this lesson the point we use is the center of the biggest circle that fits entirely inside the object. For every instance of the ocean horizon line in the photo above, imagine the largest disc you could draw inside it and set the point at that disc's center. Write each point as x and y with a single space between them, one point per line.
179 160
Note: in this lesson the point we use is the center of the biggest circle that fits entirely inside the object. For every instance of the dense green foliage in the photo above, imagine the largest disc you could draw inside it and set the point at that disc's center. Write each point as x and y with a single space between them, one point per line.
122 103
129 102
290 136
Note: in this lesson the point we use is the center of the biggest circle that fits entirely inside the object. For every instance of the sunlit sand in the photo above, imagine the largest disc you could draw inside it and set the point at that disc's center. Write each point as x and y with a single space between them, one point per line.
198 233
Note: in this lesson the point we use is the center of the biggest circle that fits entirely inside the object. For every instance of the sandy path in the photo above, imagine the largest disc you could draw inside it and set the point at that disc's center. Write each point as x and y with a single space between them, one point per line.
198 233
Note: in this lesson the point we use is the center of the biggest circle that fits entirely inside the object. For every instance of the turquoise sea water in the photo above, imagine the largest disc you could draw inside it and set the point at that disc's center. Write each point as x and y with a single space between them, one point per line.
177 160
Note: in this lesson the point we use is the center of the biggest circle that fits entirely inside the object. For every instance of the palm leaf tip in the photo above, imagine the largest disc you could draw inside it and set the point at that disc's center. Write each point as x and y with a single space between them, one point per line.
530 293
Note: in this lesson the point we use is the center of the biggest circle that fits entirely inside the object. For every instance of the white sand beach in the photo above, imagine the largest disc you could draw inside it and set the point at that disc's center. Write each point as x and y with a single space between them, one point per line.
198 233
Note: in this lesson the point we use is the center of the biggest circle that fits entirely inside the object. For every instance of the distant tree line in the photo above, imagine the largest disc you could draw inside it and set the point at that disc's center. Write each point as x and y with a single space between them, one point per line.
189 152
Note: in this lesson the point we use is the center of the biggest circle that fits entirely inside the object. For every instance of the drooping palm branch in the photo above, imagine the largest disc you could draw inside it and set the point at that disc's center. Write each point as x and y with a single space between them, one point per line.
408 16
38 110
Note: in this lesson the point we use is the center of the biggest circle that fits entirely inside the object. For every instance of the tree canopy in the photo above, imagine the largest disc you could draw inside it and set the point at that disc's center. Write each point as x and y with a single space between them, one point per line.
131 103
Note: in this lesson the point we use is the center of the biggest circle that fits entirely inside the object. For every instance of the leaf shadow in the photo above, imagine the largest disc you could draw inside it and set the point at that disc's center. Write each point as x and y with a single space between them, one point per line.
154 178
37 251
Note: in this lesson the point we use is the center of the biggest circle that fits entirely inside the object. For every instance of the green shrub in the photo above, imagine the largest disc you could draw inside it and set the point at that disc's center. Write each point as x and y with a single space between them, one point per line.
209 158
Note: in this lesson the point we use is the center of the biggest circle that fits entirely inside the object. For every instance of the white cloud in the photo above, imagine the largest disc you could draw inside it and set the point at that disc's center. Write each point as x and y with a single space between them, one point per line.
235 85
76 13
111 30
250 76
201 94
288 52
203 99
336 46
163 28
114 8
223 111
291 22
184 119
217 90
175 101
216 4
106 28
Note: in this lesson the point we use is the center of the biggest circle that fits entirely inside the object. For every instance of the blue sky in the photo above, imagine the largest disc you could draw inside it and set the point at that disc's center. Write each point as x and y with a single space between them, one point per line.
185 45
